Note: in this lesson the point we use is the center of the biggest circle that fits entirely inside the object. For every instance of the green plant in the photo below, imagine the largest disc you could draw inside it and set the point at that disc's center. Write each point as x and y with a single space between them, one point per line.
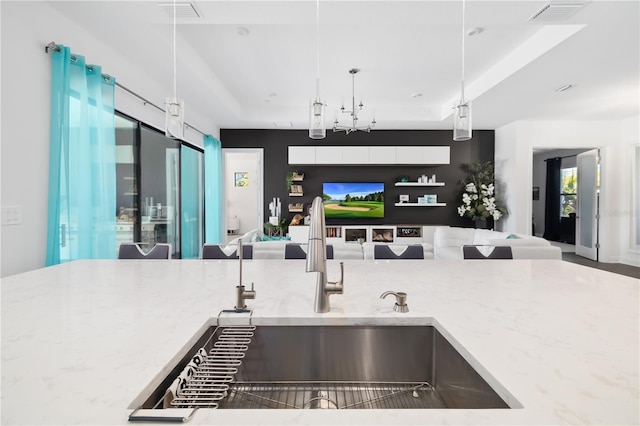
478 196
289 179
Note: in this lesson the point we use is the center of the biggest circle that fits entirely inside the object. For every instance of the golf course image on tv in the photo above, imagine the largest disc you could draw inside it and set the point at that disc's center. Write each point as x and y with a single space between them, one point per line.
353 200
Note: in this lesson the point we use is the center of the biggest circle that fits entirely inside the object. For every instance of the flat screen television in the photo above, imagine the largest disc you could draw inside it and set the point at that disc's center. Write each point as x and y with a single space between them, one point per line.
353 200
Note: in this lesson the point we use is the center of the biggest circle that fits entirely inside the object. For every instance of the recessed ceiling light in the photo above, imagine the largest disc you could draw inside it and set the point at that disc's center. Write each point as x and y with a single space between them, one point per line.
564 88
242 31
416 95
474 31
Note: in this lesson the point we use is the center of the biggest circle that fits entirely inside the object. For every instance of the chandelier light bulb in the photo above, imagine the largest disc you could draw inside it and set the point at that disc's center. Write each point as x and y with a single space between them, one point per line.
174 118
462 122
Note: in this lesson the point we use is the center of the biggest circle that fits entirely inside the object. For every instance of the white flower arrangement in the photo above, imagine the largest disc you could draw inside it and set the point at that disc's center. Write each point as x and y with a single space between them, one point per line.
480 204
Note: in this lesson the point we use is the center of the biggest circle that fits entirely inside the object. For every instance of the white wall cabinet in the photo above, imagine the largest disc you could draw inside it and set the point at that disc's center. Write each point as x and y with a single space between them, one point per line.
367 155
302 155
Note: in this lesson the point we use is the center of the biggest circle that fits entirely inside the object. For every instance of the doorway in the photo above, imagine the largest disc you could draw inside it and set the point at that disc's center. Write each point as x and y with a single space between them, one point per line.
565 227
242 183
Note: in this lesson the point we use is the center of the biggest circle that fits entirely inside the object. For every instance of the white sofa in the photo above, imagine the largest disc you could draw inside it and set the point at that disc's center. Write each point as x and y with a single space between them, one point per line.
446 245
368 249
448 242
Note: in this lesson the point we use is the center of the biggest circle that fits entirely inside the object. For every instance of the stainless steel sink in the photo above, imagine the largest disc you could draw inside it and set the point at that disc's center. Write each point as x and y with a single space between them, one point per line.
365 367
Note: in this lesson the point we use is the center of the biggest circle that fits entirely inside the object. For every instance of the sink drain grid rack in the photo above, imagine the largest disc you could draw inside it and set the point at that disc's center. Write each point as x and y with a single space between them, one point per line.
206 379
332 395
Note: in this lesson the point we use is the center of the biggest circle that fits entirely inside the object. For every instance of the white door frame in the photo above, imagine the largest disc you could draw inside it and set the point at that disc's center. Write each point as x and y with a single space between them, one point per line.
260 189
588 217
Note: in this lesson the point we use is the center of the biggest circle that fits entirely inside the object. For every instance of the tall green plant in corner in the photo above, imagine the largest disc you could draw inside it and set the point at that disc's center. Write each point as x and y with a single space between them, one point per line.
479 200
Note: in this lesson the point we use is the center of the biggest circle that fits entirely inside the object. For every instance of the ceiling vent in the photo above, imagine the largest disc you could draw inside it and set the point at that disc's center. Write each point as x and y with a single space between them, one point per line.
556 12
184 9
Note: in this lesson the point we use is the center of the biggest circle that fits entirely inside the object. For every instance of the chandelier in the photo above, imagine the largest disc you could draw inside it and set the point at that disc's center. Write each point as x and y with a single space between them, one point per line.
353 112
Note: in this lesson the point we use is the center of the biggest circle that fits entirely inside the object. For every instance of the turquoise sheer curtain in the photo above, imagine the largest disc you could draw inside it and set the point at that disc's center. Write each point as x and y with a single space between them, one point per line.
192 196
213 189
82 164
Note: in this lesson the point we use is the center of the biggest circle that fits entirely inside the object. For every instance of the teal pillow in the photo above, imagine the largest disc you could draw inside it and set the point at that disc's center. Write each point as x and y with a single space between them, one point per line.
512 237
268 238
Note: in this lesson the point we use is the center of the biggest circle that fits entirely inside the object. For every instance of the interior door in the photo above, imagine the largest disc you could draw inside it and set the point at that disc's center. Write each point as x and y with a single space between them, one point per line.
587 211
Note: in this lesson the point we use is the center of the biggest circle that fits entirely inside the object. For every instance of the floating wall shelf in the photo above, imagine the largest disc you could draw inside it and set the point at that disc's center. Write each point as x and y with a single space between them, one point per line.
419 184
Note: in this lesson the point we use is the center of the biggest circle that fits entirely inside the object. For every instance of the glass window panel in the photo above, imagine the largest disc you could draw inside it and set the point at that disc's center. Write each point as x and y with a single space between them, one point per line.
587 200
159 189
568 190
126 179
192 178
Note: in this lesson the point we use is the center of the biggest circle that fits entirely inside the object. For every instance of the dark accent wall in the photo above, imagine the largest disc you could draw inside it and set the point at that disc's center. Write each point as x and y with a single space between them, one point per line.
275 144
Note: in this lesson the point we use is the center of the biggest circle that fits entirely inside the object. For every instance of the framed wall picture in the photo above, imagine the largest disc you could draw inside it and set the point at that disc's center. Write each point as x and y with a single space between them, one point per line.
536 192
241 179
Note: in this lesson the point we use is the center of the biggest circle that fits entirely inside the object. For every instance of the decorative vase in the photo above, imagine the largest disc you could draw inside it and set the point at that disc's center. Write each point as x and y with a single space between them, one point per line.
483 224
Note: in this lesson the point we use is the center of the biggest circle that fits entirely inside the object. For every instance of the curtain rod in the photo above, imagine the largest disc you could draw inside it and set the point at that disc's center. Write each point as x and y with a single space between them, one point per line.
55 47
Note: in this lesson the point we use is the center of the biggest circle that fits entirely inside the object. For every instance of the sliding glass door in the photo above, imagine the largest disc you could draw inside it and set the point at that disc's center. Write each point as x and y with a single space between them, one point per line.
192 184
126 179
159 189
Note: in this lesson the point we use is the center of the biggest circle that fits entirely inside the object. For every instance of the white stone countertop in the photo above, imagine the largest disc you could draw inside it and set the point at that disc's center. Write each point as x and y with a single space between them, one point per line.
81 341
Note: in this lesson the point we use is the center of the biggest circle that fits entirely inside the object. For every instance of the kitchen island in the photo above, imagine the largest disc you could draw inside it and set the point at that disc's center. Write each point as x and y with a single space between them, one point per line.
81 341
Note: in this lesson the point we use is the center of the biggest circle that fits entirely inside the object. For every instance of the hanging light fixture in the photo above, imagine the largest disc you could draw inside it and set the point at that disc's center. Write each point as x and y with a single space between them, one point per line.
462 111
354 112
317 128
174 107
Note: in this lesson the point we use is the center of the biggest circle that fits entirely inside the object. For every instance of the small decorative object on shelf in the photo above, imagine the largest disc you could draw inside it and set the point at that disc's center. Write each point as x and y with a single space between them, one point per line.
296 207
277 230
431 198
404 198
275 207
409 232
297 177
297 220
296 191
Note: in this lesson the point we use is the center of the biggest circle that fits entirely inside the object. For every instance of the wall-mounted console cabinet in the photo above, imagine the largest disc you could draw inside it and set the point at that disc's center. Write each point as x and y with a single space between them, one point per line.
368 155
399 234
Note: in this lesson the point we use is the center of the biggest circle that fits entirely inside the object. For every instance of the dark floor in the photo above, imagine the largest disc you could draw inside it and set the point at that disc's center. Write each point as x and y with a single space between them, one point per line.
618 268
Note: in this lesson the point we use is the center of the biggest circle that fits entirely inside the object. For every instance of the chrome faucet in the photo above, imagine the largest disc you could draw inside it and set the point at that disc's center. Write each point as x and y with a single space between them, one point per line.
241 293
317 259
401 300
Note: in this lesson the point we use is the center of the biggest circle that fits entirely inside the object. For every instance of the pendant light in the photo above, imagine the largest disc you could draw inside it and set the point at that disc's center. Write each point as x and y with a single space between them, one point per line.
462 111
317 129
174 107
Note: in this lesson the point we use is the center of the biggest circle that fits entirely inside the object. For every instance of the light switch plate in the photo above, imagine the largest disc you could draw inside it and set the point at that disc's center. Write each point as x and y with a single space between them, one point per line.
12 215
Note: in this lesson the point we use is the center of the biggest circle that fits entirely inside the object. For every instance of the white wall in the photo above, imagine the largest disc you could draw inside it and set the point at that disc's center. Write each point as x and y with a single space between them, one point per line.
26 27
514 152
629 251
